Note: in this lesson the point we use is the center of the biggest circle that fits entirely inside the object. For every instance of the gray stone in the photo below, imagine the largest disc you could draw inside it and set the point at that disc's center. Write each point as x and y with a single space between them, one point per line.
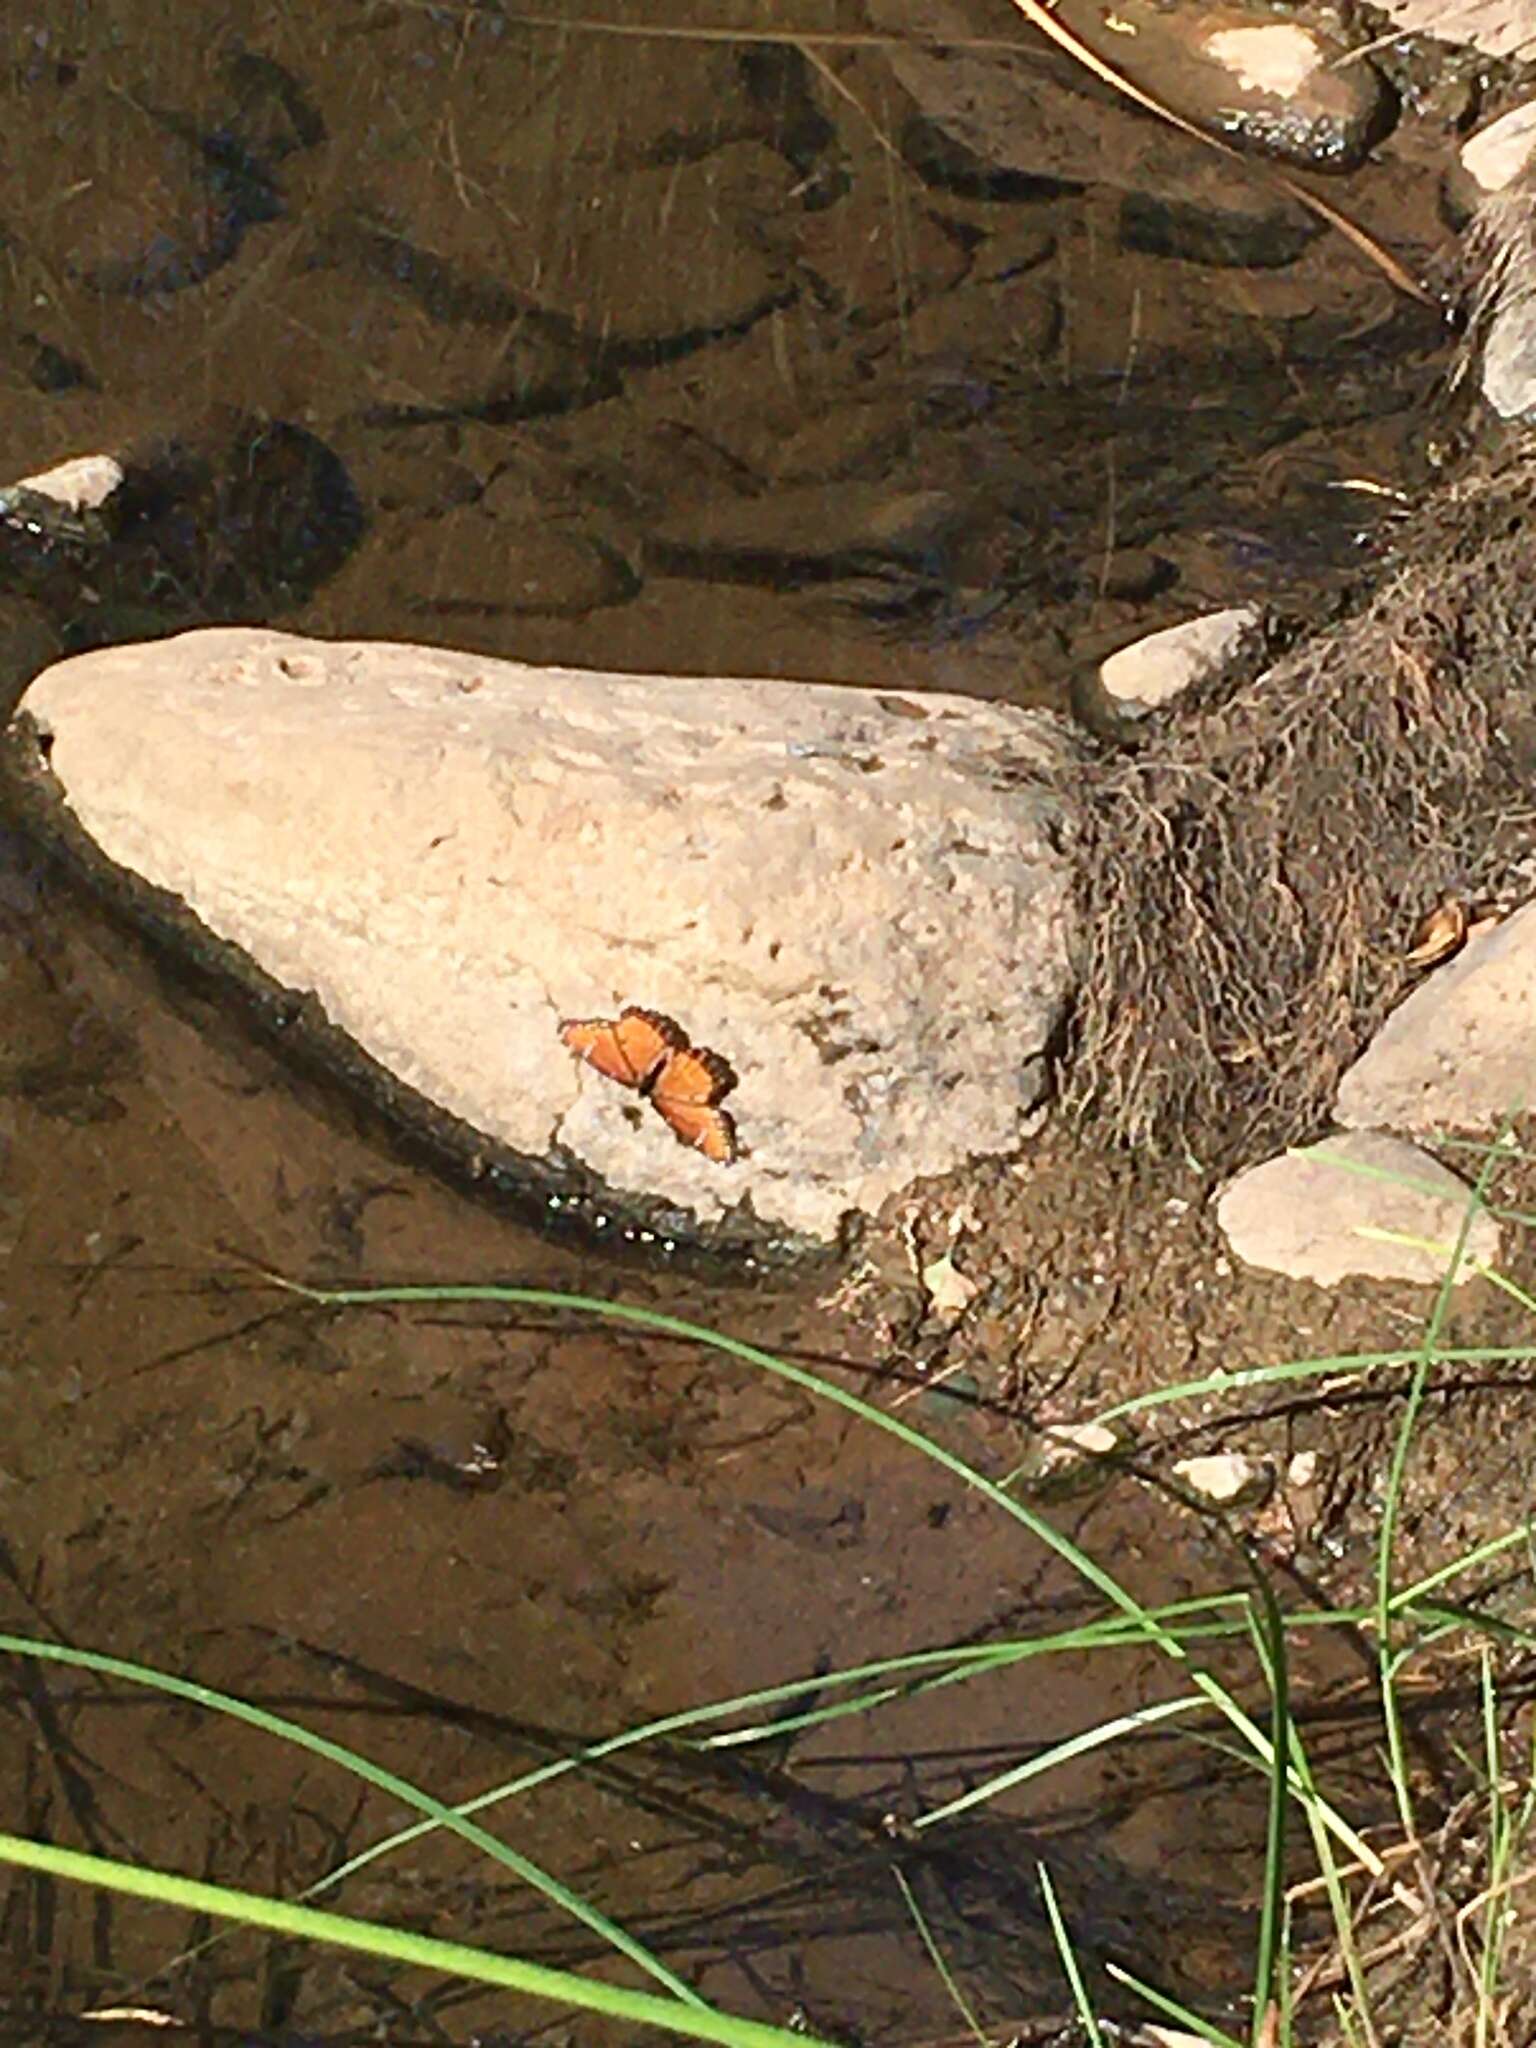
1497 154
1160 666
1508 373
1311 1213
858 898
1460 1053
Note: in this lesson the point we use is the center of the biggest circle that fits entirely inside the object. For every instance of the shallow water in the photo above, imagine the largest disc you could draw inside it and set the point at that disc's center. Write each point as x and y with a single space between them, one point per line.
623 352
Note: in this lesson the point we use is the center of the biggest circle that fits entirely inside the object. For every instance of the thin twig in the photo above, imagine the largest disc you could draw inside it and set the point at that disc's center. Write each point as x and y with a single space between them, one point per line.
1043 19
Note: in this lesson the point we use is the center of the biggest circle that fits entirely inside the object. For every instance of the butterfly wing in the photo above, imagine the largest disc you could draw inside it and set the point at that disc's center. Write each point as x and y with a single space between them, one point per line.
632 1049
703 1127
687 1091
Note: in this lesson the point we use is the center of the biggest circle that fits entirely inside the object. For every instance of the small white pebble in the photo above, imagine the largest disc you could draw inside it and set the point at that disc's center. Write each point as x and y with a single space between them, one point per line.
1220 1478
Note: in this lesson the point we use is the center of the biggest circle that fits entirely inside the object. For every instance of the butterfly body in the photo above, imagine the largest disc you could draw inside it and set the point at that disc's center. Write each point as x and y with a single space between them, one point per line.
683 1082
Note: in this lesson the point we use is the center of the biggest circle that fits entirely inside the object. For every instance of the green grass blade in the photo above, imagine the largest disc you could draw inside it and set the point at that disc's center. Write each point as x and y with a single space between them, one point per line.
1068 1956
1224 1382
1172 2010
1062 1752
1409 1596
1338 1898
697 2022
386 1781
977 1660
957 1997
1270 1630
1429 1355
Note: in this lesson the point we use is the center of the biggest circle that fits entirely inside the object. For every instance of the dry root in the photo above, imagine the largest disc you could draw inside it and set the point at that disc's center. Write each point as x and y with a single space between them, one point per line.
1251 881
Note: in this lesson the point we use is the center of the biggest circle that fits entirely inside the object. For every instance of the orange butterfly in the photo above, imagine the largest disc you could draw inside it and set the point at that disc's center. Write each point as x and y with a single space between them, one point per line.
681 1081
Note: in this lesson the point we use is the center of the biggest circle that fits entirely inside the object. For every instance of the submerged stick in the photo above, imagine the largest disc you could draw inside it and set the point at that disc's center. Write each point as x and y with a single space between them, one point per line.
1041 17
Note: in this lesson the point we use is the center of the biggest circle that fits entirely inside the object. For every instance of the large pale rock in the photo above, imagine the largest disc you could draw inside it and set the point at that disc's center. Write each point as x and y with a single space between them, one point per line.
1345 1208
1460 1052
859 900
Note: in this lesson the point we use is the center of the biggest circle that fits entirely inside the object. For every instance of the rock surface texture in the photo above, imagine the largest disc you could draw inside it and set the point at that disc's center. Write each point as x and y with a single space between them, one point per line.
1460 1053
1500 152
859 900
1313 1213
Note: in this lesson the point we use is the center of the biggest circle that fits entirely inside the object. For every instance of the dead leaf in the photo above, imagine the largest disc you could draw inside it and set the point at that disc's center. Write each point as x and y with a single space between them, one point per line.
1438 934
949 1292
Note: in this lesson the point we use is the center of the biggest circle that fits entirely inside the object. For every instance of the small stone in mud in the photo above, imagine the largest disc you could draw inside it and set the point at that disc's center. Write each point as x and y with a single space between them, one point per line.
1155 669
1227 1478
1272 84
84 482
1294 98
950 1293
1068 1441
1134 574
1361 1204
1275 86
1066 1458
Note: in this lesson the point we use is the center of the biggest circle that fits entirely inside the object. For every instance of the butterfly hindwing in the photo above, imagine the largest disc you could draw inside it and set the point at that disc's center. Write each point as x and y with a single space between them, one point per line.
702 1127
693 1075
686 1092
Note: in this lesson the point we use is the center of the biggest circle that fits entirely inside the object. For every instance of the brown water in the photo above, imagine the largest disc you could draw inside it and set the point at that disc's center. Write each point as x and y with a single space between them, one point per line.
647 353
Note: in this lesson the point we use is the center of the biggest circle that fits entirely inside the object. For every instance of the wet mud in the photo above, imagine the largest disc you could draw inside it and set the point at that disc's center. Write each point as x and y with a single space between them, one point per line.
467 1542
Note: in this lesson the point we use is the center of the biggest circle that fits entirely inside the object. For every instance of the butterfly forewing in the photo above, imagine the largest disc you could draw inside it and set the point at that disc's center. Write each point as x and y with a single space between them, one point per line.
632 1049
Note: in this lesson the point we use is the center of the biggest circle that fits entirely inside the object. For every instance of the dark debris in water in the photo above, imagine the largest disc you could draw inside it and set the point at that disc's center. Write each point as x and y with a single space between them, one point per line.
236 519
